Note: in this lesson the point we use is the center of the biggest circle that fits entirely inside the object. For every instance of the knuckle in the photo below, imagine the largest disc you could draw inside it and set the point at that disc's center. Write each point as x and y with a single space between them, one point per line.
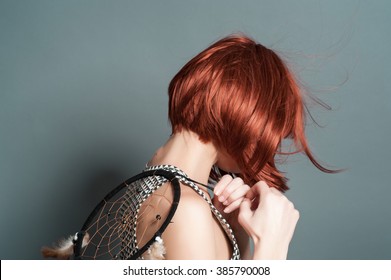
262 188
285 201
235 204
297 214
261 184
227 177
225 180
238 180
284 198
227 192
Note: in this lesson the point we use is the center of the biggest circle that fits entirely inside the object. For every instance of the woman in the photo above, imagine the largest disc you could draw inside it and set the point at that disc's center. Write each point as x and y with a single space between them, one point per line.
230 107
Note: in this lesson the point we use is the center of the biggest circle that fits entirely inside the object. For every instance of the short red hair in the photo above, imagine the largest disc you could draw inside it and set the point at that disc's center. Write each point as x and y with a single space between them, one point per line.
241 96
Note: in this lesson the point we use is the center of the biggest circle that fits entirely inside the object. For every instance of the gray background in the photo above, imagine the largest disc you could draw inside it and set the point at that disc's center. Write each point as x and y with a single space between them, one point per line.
83 106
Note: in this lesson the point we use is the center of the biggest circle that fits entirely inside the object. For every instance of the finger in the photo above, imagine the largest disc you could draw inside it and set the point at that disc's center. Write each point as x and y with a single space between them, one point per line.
276 191
219 206
224 181
261 187
251 194
245 213
239 192
235 184
245 208
256 192
233 206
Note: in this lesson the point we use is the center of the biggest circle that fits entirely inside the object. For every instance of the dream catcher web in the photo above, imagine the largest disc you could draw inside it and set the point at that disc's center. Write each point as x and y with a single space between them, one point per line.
128 220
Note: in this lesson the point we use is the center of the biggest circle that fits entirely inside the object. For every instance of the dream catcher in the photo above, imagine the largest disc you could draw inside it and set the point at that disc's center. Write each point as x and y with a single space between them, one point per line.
129 222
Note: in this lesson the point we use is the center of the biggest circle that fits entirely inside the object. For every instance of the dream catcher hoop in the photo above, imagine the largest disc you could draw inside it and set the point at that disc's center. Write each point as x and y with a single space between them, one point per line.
111 226
113 220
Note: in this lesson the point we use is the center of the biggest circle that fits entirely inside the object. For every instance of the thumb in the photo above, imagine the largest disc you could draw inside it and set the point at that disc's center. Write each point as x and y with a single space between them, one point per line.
245 212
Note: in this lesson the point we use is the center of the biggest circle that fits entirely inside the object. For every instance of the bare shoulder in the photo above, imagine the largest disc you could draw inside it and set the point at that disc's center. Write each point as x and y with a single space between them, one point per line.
190 234
192 204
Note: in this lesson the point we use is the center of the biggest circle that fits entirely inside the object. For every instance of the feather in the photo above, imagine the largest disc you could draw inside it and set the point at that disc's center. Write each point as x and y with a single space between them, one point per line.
156 251
64 249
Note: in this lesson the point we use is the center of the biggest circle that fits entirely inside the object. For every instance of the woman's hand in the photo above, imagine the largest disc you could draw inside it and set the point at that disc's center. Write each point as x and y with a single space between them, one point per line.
269 218
229 193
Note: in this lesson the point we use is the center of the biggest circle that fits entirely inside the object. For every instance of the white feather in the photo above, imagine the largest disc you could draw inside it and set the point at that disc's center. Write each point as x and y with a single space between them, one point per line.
156 251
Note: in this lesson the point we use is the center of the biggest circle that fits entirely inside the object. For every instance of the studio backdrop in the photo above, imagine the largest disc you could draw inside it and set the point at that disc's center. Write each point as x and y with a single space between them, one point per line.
83 106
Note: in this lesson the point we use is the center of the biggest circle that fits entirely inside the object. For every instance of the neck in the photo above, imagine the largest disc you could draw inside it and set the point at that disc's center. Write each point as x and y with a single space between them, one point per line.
187 152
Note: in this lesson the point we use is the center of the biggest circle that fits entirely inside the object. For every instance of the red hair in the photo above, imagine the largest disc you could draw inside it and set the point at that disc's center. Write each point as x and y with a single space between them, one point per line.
241 96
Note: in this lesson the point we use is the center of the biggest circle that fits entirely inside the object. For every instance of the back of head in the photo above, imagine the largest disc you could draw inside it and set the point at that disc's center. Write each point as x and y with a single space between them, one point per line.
242 97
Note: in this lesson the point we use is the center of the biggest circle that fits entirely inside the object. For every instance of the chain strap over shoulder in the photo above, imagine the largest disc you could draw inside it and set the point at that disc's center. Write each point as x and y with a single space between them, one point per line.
183 178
